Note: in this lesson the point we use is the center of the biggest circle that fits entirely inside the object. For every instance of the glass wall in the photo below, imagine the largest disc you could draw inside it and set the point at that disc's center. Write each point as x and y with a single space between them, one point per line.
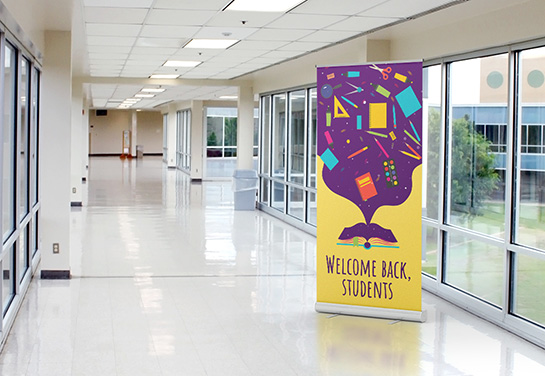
484 177
9 144
183 140
288 154
483 206
221 141
19 189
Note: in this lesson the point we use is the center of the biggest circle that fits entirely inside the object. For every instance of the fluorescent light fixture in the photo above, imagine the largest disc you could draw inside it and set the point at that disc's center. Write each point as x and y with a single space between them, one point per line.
165 76
263 6
181 63
145 95
229 97
211 43
151 90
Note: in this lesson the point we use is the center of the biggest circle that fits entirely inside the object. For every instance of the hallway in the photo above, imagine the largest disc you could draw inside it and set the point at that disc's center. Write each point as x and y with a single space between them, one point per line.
168 280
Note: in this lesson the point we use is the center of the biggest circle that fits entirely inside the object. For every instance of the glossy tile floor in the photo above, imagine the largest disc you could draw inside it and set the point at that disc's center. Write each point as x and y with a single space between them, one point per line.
169 280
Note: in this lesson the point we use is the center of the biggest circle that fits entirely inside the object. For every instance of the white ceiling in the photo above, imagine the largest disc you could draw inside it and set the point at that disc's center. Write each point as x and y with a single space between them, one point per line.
133 38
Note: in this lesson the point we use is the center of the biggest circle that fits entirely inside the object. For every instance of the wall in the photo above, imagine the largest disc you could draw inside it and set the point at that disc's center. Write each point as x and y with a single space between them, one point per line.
106 131
150 131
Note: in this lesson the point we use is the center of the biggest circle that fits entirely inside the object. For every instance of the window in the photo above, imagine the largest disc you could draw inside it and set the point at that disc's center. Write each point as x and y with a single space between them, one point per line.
23 136
432 130
10 145
476 184
288 154
530 224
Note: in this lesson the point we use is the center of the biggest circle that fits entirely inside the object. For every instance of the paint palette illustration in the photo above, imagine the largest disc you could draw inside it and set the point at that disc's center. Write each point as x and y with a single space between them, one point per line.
390 173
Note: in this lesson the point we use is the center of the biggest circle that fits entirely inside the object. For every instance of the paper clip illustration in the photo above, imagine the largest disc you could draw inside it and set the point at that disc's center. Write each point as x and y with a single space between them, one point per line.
383 71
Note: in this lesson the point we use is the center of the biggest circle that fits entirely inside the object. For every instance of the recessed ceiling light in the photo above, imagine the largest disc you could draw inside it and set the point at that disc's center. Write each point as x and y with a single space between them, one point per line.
181 63
211 43
145 95
165 76
152 90
228 97
263 6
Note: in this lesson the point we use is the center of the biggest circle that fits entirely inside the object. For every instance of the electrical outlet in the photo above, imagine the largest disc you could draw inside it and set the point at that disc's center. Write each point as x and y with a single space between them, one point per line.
74 190
56 248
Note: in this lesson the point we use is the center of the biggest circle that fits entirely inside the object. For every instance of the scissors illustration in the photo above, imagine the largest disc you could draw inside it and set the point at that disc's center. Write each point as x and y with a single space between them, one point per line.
387 70
358 89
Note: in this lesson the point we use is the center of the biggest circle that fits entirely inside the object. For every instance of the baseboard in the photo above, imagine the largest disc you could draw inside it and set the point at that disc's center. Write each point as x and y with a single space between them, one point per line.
55 274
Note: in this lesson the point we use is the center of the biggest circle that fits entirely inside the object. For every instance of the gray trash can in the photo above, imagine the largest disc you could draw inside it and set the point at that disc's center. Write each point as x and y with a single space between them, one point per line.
245 188
139 151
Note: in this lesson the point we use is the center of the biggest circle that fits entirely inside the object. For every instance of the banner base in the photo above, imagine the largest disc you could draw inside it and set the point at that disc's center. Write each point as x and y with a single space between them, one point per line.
379 313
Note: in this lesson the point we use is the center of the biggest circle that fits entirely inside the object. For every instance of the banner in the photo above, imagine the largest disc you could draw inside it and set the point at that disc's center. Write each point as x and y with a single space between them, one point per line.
369 232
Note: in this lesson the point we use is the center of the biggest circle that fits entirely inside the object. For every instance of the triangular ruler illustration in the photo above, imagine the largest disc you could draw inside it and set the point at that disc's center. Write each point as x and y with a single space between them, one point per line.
340 112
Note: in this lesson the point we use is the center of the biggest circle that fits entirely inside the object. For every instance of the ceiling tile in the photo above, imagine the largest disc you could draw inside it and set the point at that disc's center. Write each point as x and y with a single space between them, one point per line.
107 56
178 17
112 67
361 24
109 49
106 62
160 42
303 46
199 75
241 53
403 8
118 3
154 50
102 91
279 34
110 41
193 54
115 15
258 45
99 102
105 73
281 54
346 7
123 30
191 4
235 19
161 31
209 32
159 58
328 36
304 21
143 63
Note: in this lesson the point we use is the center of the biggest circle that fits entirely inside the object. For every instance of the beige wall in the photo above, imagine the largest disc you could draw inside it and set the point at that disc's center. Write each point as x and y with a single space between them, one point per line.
150 131
106 131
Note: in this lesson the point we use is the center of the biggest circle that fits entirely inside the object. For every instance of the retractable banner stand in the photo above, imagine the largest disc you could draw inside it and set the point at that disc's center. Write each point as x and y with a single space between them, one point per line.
369 232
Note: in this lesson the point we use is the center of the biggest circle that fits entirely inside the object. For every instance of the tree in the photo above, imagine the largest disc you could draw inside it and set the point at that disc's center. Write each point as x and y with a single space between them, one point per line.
472 172
212 139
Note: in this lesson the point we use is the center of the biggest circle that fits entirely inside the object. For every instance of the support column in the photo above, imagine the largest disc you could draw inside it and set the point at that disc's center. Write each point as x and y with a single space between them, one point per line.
76 161
245 128
85 142
197 134
55 150
171 138
134 133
